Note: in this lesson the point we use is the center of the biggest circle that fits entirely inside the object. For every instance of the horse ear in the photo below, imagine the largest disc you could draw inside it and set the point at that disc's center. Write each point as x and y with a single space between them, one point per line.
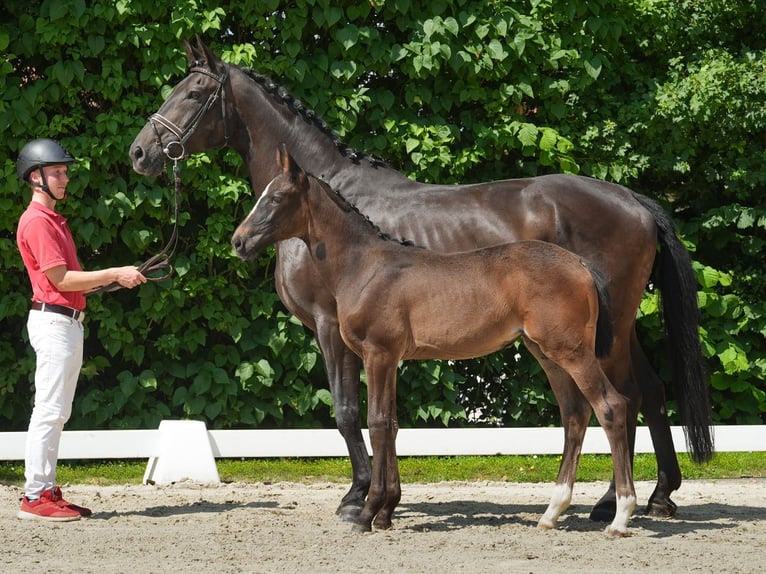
211 59
190 55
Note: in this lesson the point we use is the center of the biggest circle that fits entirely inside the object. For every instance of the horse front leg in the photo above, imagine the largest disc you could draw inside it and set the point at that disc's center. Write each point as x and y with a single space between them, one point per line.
655 413
343 373
385 488
304 293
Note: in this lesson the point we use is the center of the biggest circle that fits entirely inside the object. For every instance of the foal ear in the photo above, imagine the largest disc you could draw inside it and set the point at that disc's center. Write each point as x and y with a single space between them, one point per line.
283 158
287 164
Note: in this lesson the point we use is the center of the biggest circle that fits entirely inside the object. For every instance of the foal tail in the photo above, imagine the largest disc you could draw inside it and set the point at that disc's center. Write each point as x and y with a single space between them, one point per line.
678 283
604 332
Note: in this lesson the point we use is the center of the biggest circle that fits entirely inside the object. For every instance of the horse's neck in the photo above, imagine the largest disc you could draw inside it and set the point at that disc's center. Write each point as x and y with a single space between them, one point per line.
264 123
339 239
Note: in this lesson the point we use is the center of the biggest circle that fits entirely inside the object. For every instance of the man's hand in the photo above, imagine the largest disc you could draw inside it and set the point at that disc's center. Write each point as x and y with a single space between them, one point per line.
128 276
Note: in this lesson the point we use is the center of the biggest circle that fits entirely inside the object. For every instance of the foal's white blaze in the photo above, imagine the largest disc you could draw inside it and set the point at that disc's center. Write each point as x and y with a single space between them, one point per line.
562 497
265 191
625 507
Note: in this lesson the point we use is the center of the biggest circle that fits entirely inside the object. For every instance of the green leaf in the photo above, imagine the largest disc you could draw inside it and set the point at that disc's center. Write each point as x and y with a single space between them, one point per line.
451 25
528 135
548 139
593 67
411 144
496 50
348 36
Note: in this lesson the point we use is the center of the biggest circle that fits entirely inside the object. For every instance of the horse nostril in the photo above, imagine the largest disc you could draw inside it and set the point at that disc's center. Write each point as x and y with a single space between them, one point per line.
236 243
138 152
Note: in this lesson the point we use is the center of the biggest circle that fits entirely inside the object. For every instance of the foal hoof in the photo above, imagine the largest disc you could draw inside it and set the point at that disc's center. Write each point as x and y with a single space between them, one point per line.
665 508
382 524
612 532
361 528
546 525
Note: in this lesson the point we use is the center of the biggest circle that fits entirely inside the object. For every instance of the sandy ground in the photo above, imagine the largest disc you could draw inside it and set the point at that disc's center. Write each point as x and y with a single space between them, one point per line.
447 527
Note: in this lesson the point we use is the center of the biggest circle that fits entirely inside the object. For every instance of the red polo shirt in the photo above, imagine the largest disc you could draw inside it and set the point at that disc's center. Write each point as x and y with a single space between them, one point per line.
45 241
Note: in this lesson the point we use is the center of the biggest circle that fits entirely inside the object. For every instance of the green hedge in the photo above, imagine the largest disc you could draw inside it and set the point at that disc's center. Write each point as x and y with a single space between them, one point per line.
666 97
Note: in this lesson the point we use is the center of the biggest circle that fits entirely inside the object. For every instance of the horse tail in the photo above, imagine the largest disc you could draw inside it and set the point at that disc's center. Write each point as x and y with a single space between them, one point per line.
604 331
681 317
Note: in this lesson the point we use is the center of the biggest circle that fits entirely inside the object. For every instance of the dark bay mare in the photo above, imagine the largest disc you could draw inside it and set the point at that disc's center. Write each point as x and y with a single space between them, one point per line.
617 230
399 302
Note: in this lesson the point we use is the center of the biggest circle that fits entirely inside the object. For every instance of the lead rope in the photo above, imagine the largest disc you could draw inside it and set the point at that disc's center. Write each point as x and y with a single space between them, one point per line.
161 261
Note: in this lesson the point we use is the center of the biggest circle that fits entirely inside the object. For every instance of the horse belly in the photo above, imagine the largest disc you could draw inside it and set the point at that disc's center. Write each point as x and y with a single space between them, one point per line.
463 333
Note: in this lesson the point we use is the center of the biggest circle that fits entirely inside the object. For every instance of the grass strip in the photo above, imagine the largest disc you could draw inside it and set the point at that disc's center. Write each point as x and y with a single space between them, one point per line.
412 469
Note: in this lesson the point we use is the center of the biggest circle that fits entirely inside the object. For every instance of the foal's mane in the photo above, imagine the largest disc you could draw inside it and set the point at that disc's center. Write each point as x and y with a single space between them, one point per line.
346 205
309 116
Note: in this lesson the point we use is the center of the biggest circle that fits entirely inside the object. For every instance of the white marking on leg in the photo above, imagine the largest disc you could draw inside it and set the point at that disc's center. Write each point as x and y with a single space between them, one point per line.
625 507
562 497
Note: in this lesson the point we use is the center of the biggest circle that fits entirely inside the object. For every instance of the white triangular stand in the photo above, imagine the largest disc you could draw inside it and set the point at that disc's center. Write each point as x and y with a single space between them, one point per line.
183 453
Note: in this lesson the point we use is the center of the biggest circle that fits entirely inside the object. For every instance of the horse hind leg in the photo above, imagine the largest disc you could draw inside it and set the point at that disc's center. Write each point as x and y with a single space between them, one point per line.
653 408
611 410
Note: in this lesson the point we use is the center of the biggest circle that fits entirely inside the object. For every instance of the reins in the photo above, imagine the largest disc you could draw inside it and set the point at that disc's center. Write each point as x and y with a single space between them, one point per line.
160 261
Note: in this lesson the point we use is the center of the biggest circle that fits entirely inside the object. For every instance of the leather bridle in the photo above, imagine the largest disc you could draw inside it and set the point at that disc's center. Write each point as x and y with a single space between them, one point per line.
161 261
183 134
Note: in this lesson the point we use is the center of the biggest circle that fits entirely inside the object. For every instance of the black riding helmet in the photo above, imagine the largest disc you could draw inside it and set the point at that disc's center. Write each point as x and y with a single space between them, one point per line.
39 153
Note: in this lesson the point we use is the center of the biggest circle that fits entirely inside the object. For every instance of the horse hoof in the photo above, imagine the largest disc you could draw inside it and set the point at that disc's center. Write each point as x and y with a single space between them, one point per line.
604 511
349 512
661 509
382 524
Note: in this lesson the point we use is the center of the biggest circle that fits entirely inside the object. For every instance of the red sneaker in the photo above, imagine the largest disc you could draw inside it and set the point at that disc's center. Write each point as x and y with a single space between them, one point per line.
59 498
46 508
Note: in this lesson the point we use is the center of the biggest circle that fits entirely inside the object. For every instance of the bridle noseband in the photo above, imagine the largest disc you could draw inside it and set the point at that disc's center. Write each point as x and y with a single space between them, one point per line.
183 134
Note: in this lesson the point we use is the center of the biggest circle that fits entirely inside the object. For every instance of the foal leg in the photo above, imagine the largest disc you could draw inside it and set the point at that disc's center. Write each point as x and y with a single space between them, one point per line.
385 488
611 411
575 415
618 370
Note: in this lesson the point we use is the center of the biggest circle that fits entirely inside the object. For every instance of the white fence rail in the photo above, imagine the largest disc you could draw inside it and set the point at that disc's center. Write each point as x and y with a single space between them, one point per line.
119 444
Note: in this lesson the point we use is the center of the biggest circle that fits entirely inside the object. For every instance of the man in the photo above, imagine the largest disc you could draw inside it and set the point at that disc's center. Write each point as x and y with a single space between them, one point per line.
55 322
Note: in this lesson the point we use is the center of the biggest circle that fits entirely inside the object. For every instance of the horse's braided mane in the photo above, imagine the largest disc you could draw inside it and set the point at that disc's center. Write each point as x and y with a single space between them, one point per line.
310 117
351 207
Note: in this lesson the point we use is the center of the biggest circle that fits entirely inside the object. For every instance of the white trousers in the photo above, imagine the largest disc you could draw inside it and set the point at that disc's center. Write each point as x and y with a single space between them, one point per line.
58 344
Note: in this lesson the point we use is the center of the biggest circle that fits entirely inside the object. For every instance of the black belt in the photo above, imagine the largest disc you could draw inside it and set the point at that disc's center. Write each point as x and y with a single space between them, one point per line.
60 309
